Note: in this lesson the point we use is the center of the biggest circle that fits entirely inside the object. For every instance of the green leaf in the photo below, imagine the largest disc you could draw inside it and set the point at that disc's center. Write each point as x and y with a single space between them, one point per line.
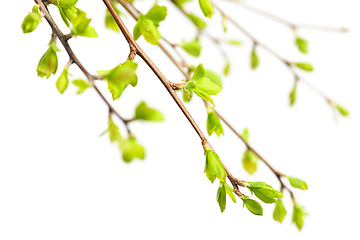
204 96
214 77
193 48
48 63
208 86
342 110
234 42
213 167
32 20
187 95
250 160
298 216
157 14
264 192
199 73
297 183
80 23
221 197
254 59
245 134
304 66
279 211
253 206
230 191
114 132
63 81
292 95
150 32
120 77
226 68
206 7
109 20
81 84
143 112
213 124
197 21
131 149
302 44
66 3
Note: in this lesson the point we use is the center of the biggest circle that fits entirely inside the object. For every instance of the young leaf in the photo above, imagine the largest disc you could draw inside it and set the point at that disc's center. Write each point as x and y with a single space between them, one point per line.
253 206
298 216
234 42
213 167
32 20
297 183
245 134
80 23
120 77
214 77
131 149
279 211
157 14
230 191
342 110
199 73
249 161
206 7
81 84
254 59
197 21
48 63
143 112
304 66
226 68
63 81
208 86
292 95
187 95
264 192
193 48
114 132
204 96
221 197
301 44
213 124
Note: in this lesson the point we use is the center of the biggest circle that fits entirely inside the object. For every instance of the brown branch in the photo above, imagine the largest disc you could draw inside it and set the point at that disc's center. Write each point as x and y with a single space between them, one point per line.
73 58
167 85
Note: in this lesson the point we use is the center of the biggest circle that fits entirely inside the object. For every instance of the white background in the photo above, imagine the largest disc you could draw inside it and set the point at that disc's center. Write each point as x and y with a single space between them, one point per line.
59 180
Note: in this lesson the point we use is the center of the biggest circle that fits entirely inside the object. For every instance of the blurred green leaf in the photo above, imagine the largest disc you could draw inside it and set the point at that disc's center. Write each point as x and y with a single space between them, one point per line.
292 95
143 112
221 197
250 160
193 48
343 111
298 216
63 81
279 211
254 59
81 84
213 124
297 183
304 66
206 7
302 44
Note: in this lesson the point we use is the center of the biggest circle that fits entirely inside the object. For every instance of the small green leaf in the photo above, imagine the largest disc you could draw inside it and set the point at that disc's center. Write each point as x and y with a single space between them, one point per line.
150 32
204 96
197 21
81 84
187 95
297 183
302 44
304 66
279 211
114 133
253 206
230 191
226 68
199 73
48 63
63 81
131 149
120 77
213 124
213 167
234 42
206 7
292 95
264 192
193 48
342 110
298 216
254 59
80 23
157 14
32 20
208 86
245 134
250 160
221 197
143 112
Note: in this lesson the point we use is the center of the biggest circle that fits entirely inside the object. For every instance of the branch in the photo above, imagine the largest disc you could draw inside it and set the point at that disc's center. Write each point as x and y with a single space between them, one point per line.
73 58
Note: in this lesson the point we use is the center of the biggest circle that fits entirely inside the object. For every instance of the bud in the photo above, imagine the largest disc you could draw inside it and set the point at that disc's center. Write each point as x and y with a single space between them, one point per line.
48 63
32 20
63 81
